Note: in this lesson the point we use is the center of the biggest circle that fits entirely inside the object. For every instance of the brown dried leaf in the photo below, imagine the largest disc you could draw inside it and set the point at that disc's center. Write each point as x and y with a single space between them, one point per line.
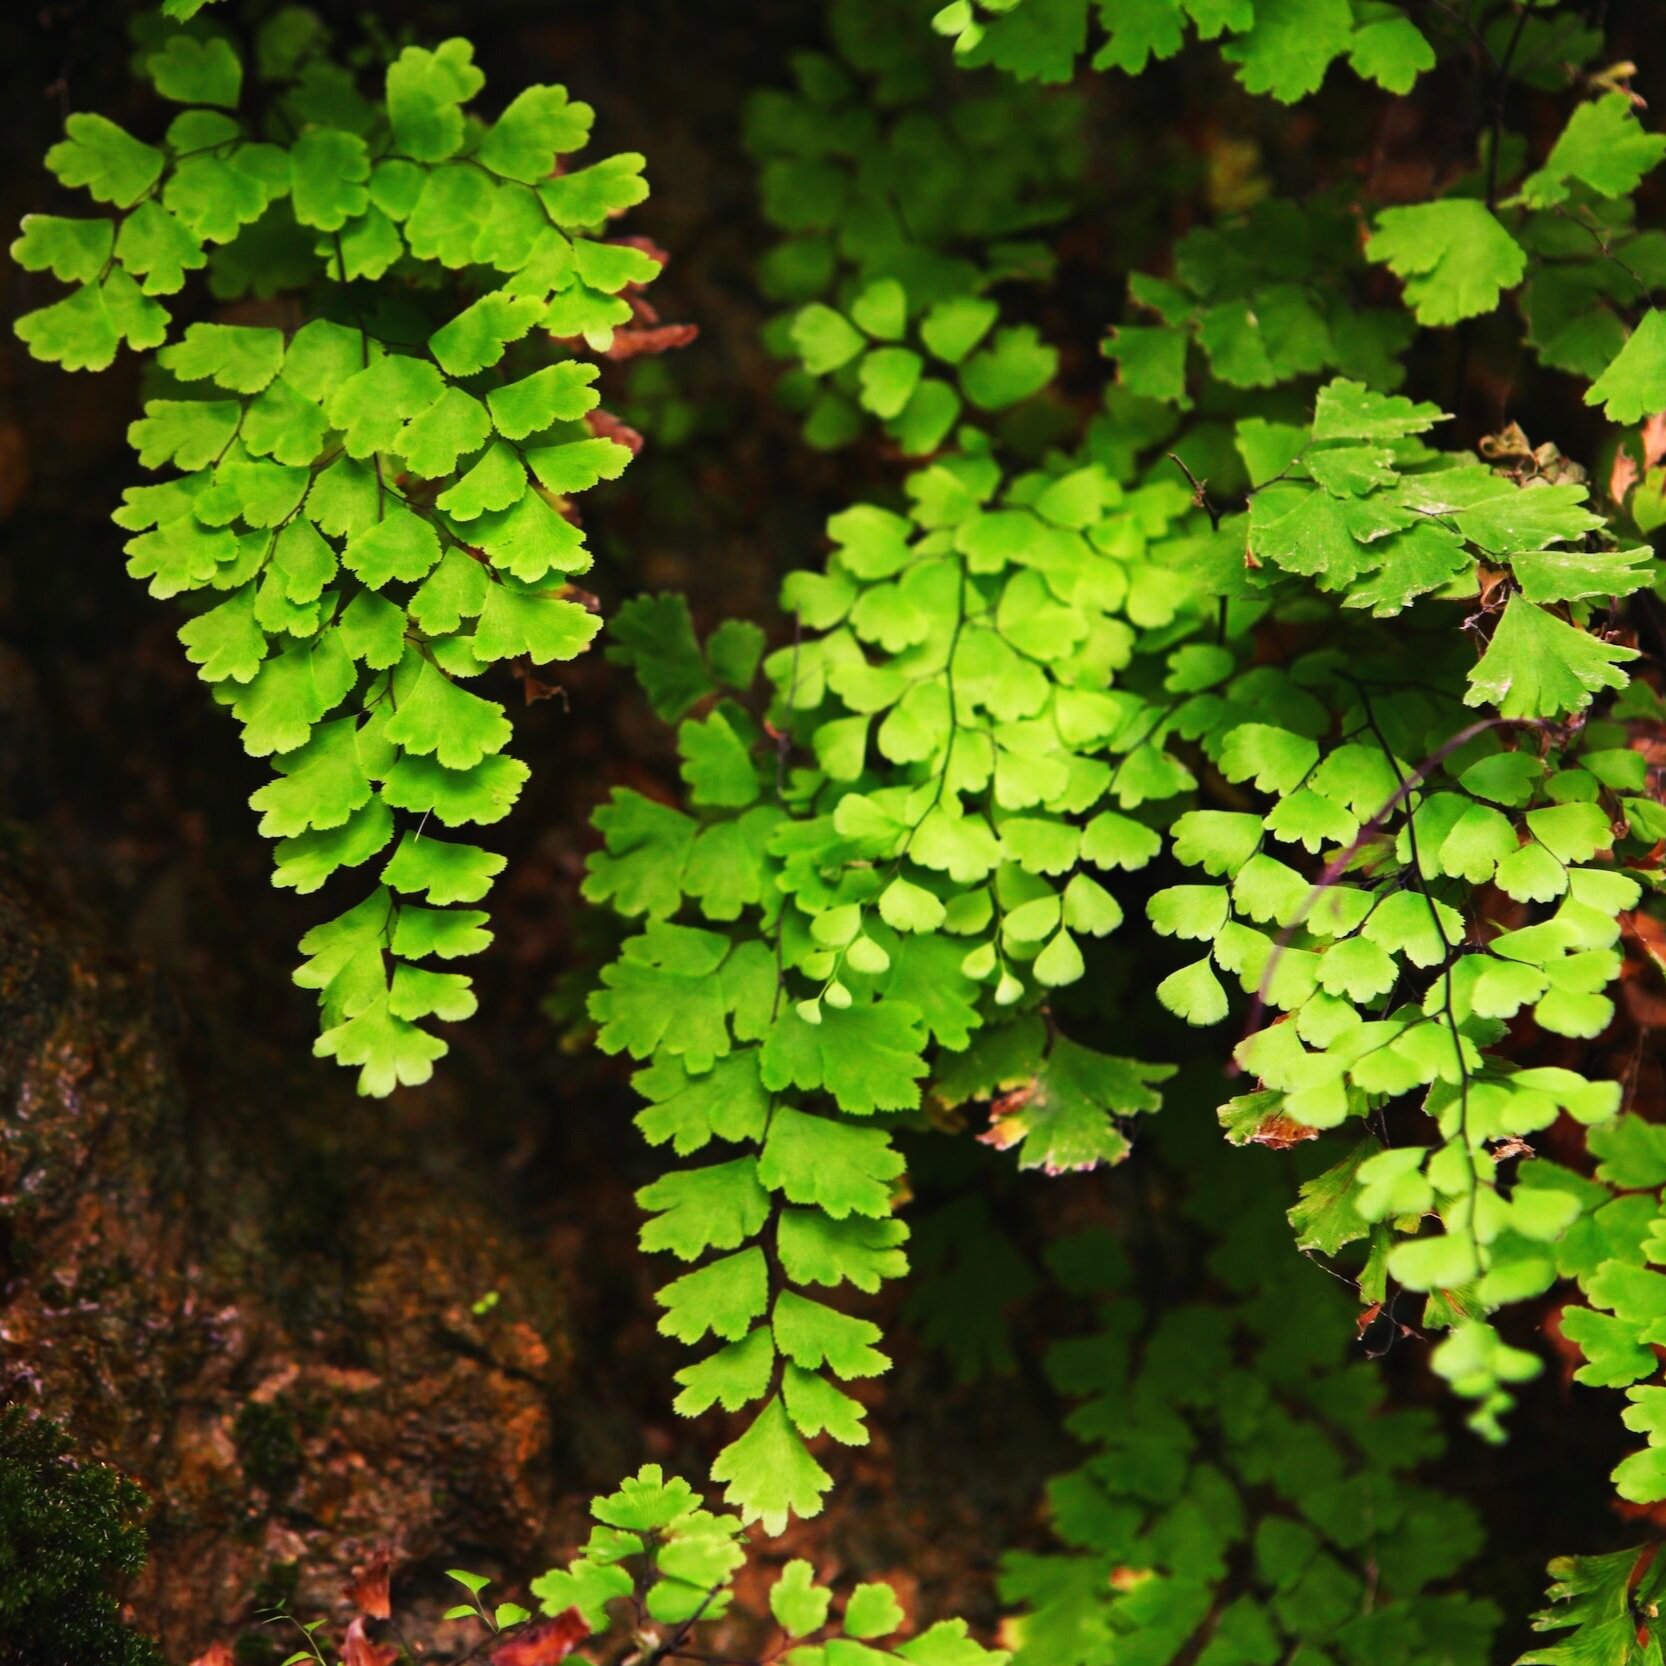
1650 933
216 1654
1510 441
1005 1134
358 1650
542 1642
606 426
534 688
1280 1132
629 343
368 1589
1623 476
1007 1124
1654 439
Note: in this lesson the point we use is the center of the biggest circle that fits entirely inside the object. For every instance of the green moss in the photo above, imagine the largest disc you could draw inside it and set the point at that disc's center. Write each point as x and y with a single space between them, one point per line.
268 1446
70 1533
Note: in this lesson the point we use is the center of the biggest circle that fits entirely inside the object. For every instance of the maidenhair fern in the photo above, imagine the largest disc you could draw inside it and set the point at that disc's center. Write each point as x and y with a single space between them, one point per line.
369 475
658 1572
976 787
895 222
1251 687
1279 48
1376 692
1246 1493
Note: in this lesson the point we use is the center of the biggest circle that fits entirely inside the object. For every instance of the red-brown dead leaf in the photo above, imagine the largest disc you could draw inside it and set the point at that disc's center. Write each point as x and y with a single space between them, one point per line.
1654 439
358 1650
543 1642
1623 476
606 426
1641 975
1654 1514
1510 441
1279 1132
1488 579
1650 932
1007 1126
216 1654
368 1589
534 689
1005 1134
661 338
1641 1566
1015 1100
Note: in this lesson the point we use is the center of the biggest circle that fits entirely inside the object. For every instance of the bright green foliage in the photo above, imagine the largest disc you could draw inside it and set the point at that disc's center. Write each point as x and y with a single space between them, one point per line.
1612 1604
1373 693
894 226
964 650
1634 384
1246 1495
1454 256
1603 148
806 950
892 382
1273 297
1253 693
656 1554
1004 690
1261 302
1370 690
370 512
1393 828
1281 48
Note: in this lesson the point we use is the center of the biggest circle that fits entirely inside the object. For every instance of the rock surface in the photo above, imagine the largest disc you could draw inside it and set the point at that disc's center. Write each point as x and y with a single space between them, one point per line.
273 1322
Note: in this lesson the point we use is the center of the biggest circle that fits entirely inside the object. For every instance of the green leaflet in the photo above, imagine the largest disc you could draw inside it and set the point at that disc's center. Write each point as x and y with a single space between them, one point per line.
355 545
1392 989
1454 256
1284 1481
877 960
655 1529
1536 664
1594 1595
908 344
1280 48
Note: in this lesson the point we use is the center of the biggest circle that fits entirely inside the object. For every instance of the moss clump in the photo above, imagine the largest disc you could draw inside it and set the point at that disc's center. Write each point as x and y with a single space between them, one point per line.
69 1533
268 1446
